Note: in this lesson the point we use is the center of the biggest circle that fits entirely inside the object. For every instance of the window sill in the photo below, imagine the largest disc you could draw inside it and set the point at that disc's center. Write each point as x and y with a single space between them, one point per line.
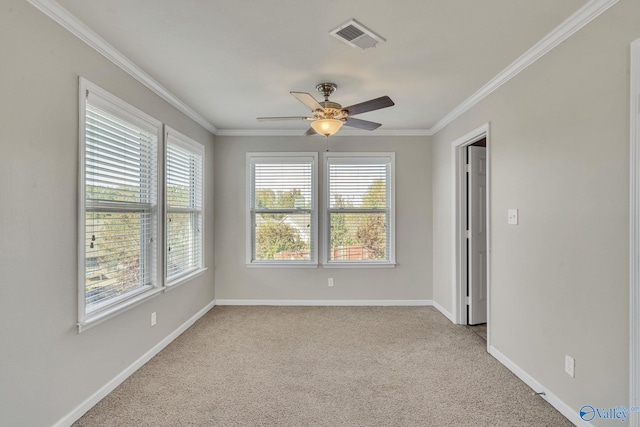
184 279
280 265
97 318
359 265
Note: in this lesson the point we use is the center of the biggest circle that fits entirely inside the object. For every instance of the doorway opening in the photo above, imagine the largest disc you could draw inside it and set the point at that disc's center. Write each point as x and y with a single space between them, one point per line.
471 156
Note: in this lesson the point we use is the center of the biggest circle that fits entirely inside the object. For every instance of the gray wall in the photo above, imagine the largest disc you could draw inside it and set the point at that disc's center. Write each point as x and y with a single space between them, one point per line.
560 154
409 280
47 369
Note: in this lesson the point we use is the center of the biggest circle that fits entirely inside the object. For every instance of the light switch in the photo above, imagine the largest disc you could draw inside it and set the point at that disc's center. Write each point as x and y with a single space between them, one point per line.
512 216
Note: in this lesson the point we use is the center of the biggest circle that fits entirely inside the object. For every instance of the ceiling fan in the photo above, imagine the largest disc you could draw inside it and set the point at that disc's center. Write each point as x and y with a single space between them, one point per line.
328 116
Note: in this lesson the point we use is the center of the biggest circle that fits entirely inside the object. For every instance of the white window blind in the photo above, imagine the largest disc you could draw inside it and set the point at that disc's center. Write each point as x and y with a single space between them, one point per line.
118 203
360 208
184 206
282 208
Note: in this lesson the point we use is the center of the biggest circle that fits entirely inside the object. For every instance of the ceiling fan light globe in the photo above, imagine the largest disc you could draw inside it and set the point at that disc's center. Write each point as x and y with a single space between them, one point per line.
326 127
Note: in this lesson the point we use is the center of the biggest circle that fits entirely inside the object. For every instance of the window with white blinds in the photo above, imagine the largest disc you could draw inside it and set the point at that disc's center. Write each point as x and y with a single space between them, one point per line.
359 208
184 207
118 203
282 217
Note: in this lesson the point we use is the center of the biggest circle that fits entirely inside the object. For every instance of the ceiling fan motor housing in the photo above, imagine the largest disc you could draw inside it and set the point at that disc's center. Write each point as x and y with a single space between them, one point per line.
326 89
332 110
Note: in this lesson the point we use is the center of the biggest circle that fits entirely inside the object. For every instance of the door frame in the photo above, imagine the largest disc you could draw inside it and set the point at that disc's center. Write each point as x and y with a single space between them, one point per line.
459 267
634 236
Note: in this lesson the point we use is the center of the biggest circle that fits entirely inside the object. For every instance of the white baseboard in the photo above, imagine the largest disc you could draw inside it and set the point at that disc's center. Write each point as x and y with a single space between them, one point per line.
442 310
328 303
553 400
75 414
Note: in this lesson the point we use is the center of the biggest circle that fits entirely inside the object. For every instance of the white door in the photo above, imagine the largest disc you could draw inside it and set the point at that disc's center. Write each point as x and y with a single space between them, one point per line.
477 242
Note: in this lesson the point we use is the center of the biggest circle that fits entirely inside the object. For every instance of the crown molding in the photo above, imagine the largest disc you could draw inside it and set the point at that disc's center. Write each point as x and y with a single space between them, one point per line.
59 14
587 13
259 132
343 132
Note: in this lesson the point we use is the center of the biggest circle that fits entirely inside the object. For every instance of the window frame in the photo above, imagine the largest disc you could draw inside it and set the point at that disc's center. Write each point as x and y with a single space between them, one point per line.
360 158
124 111
173 137
275 157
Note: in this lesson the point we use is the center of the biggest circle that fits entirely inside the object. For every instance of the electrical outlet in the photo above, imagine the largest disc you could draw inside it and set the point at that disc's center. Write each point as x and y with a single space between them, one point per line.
570 366
330 282
153 318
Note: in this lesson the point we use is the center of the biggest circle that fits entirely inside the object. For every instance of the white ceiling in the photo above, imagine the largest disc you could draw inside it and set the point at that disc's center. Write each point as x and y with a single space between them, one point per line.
233 61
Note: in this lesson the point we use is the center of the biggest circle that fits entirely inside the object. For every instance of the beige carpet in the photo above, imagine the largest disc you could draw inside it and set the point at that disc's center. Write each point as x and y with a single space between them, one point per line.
324 366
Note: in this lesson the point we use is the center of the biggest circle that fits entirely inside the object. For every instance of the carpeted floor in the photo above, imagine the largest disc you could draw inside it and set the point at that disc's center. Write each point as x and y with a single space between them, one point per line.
323 366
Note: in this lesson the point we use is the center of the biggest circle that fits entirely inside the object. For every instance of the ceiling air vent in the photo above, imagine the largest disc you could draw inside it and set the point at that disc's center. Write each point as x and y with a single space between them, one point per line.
355 34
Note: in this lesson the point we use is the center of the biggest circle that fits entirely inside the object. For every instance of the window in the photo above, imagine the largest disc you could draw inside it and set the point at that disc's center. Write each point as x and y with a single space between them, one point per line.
118 204
359 209
282 217
184 200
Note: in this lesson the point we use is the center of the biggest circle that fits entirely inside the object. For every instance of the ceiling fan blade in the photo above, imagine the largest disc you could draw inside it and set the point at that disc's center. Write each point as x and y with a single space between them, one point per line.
373 104
270 119
361 124
308 100
310 132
